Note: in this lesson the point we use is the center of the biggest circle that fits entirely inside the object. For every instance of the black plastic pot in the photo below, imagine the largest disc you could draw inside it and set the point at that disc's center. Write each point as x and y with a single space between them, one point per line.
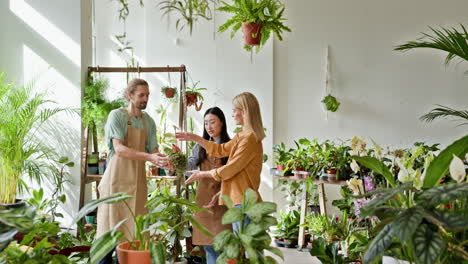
17 204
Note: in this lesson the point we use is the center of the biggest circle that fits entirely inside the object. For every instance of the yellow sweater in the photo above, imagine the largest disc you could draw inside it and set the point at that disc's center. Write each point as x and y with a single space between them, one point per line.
243 168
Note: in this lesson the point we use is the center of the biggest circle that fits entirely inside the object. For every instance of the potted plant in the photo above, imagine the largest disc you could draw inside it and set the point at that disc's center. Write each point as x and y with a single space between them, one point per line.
287 228
193 95
23 112
163 227
331 103
169 92
299 160
417 215
257 18
95 109
252 238
281 156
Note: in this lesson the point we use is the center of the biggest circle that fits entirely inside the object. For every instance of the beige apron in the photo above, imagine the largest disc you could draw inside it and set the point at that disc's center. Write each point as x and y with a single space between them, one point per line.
128 176
207 188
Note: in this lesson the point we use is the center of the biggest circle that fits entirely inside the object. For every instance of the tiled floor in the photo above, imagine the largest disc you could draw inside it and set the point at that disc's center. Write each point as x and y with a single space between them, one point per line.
294 256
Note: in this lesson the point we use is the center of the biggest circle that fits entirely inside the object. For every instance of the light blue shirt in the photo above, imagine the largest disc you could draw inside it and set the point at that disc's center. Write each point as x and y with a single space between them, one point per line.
116 127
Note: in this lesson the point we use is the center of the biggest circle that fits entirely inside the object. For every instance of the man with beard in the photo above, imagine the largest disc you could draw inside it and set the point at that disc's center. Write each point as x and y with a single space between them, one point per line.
131 137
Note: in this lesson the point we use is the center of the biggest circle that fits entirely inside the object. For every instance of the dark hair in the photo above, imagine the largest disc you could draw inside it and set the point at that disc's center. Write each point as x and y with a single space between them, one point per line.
224 134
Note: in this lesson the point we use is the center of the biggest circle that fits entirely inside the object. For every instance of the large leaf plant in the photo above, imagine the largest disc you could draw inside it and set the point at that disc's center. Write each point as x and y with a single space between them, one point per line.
416 224
252 238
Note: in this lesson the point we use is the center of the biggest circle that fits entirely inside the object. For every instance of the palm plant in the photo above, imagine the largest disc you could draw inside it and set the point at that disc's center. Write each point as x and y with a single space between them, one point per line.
453 41
21 152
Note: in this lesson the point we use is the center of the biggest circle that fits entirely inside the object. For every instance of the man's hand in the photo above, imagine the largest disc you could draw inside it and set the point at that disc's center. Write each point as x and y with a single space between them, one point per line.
213 202
197 175
159 160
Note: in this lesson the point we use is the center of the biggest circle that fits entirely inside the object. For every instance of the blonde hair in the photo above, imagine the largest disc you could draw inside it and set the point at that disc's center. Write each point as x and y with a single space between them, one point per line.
250 108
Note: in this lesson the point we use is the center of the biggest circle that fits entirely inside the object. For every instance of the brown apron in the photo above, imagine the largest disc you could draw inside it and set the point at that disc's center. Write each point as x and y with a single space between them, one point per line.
207 188
127 176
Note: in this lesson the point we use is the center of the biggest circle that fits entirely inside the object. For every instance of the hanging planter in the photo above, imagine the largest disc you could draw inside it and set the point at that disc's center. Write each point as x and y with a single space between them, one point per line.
169 92
259 19
252 33
331 104
193 96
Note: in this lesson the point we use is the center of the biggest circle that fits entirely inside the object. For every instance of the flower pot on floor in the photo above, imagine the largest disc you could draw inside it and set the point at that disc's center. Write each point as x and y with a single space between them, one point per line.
252 33
290 242
392 260
279 242
18 203
127 255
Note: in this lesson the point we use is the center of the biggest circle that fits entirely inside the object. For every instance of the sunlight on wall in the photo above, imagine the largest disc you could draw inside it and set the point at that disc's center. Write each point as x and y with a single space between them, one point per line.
47 30
63 131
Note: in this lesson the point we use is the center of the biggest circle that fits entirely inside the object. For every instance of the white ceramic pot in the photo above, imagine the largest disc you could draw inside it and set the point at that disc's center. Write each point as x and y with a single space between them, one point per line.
391 260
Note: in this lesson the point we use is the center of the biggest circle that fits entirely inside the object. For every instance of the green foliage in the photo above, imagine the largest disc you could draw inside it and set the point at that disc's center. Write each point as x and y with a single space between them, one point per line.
281 154
179 160
455 43
416 222
288 225
171 216
327 253
195 90
446 112
252 238
269 13
95 106
439 166
188 11
451 40
331 104
22 152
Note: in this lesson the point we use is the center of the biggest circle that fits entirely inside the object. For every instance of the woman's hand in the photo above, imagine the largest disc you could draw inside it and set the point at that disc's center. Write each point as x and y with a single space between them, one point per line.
176 148
197 175
213 202
185 136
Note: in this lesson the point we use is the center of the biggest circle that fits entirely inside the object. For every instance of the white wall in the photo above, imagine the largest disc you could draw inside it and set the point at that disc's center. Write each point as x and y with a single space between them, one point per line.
220 64
382 92
41 42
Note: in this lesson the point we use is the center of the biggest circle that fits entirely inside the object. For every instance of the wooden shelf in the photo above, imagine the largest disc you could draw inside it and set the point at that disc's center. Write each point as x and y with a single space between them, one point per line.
305 197
97 177
292 178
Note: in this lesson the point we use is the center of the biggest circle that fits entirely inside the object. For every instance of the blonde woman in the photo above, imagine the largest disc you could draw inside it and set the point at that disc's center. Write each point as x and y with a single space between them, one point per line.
245 152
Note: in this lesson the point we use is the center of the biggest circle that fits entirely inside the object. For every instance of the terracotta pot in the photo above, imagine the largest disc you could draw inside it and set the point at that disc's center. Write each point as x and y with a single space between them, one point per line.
170 93
252 33
332 178
127 255
280 167
331 171
231 261
154 171
191 98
